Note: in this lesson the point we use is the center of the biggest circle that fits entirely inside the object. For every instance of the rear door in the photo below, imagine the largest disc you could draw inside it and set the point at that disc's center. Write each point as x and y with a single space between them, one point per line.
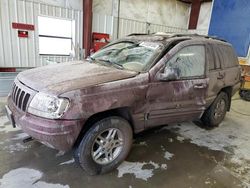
182 99
216 74
231 67
223 69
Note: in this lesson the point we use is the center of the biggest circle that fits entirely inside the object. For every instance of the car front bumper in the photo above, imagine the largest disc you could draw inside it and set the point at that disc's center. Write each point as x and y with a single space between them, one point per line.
58 134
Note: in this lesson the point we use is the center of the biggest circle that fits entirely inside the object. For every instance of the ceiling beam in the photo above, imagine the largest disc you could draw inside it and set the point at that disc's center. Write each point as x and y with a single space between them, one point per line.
87 26
195 11
194 14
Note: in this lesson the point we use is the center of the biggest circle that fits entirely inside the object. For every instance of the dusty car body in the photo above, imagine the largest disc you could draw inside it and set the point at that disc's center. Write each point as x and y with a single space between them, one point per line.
145 98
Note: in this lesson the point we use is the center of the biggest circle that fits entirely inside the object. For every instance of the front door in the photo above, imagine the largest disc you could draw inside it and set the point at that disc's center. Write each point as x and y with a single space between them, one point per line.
181 99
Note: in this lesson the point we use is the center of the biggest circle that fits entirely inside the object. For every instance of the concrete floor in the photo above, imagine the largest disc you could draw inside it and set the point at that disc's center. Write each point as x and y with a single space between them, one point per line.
175 156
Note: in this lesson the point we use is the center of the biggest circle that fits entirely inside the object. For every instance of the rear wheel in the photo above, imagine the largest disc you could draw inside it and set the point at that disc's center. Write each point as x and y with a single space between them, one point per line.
215 114
105 145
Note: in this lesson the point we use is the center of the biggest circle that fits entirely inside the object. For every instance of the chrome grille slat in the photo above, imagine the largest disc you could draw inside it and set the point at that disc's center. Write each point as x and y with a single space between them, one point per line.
25 102
14 92
13 88
21 106
20 97
17 96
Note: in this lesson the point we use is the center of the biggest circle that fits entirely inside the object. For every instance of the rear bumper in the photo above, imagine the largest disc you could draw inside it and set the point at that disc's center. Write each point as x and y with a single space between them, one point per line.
58 134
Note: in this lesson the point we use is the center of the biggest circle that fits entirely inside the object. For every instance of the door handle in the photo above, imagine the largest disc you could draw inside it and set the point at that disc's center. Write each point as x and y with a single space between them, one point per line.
200 86
220 76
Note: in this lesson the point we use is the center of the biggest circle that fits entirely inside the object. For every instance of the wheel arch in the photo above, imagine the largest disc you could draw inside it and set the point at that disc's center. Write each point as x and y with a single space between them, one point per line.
123 112
228 90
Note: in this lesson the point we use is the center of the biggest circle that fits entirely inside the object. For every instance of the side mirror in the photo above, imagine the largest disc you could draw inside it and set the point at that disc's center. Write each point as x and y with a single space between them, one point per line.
169 74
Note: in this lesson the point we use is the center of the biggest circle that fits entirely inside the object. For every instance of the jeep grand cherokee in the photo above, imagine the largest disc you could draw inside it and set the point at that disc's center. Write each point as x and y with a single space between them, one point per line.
135 83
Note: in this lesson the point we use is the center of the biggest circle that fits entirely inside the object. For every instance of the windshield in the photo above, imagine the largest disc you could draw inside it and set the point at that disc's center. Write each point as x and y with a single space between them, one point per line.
129 55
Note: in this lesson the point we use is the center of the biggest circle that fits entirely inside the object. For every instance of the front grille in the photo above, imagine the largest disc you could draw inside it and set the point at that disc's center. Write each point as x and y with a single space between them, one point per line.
20 97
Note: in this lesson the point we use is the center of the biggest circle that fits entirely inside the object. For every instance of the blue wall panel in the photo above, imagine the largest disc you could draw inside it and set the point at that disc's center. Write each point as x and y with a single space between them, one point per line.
230 20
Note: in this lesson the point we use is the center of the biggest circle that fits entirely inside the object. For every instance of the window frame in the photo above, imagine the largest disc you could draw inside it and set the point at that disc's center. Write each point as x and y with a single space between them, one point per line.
228 56
211 57
217 57
205 61
56 37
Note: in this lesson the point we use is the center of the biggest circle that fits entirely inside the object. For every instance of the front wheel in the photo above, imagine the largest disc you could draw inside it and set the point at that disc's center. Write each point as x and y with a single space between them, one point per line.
105 145
215 114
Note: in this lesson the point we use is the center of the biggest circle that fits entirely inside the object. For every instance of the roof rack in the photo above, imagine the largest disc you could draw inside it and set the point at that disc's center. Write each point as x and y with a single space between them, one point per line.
198 35
136 34
170 35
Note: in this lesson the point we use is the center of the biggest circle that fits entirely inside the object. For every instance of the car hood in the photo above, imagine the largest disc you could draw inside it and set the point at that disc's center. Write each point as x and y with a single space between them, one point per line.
63 77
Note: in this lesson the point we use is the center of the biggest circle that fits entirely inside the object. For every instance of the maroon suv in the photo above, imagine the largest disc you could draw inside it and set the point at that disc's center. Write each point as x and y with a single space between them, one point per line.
132 84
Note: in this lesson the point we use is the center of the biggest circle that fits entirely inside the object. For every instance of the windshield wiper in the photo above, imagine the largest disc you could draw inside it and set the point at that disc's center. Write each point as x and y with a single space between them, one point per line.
112 63
118 65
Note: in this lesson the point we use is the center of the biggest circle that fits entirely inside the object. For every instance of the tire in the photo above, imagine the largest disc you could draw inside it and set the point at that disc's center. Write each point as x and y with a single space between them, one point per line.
245 95
212 117
92 146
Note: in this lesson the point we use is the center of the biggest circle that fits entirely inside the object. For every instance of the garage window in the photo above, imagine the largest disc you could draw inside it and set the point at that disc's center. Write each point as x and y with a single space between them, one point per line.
56 36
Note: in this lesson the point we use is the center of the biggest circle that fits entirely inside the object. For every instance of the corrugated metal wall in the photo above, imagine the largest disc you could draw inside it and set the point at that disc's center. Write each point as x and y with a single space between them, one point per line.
127 26
24 52
162 28
103 24
108 24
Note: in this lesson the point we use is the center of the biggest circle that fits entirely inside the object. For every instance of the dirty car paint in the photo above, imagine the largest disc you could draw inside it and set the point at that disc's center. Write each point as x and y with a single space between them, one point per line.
93 88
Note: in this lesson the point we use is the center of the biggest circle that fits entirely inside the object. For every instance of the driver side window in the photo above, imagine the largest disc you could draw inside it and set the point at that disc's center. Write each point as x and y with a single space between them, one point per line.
188 62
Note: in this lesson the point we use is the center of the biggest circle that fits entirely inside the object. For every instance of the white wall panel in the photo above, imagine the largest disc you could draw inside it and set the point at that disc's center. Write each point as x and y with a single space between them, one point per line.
21 7
103 7
204 16
2 57
108 24
168 12
168 29
6 33
141 16
72 4
127 26
198 31
163 12
24 52
103 24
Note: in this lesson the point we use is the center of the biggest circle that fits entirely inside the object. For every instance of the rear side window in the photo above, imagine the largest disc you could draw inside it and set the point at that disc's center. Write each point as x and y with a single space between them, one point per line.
210 57
217 56
230 56
225 55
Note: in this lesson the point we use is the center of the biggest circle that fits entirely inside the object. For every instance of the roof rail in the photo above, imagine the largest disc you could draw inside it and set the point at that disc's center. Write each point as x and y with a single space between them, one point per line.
197 35
135 34
170 35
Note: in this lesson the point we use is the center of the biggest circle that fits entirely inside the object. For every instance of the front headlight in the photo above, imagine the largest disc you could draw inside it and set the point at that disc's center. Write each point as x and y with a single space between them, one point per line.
48 106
